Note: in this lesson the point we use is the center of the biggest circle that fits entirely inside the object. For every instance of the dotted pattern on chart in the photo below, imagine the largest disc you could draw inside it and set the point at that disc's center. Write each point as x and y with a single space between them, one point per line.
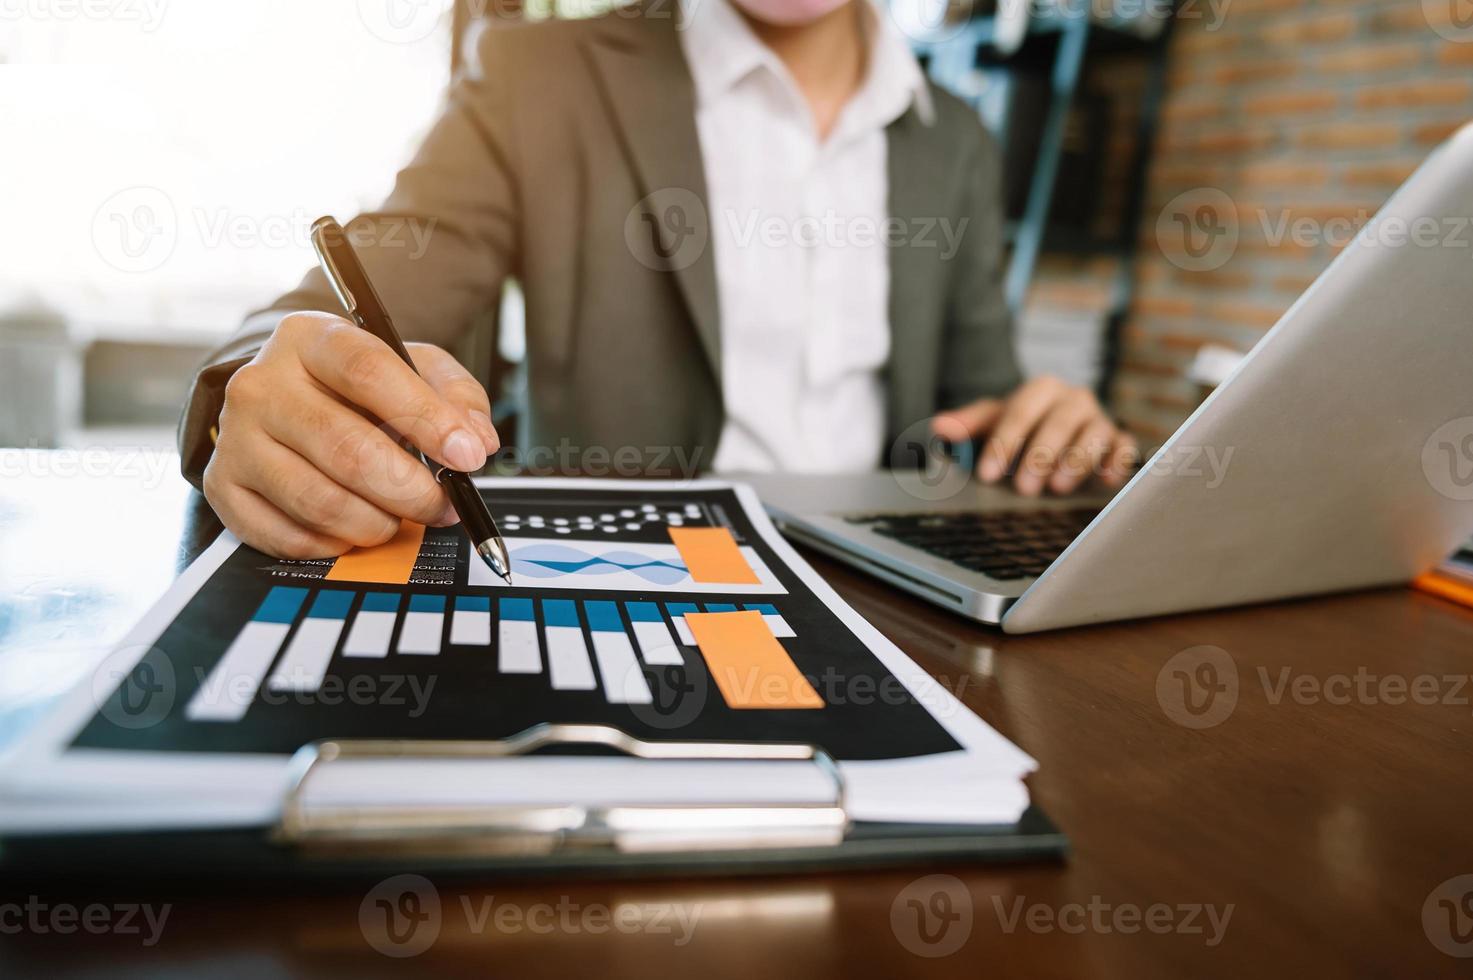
608 522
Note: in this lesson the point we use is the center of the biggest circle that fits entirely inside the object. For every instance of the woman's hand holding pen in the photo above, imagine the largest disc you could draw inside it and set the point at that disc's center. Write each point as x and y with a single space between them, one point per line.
303 469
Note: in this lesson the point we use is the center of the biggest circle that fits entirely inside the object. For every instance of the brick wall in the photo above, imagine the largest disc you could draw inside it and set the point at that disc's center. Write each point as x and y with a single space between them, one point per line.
1285 110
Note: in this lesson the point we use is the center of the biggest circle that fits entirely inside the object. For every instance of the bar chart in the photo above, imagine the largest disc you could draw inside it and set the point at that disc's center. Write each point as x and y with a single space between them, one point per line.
664 614
290 643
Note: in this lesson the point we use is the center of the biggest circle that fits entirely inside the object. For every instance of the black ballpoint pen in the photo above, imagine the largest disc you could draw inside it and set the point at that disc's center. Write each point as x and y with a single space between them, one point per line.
359 298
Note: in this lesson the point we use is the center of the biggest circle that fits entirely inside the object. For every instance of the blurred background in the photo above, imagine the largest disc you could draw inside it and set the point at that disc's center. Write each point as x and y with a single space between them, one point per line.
1176 173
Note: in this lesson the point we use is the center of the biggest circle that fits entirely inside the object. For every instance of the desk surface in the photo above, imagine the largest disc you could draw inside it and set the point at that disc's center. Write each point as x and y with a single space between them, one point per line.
1323 809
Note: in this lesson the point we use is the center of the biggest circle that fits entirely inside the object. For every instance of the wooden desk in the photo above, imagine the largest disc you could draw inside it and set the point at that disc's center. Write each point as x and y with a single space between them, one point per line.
1325 826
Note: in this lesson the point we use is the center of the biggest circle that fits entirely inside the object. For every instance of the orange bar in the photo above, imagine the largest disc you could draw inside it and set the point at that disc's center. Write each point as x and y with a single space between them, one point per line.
749 665
390 563
711 555
1447 588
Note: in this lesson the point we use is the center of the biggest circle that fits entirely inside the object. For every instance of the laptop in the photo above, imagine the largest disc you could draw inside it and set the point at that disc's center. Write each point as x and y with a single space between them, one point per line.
1338 456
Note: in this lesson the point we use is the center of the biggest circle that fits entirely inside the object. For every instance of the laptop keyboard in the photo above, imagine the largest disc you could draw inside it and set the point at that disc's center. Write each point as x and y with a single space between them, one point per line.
1002 545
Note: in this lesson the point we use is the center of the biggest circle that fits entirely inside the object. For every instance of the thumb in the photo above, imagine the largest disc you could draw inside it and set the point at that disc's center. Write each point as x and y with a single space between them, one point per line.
457 386
969 421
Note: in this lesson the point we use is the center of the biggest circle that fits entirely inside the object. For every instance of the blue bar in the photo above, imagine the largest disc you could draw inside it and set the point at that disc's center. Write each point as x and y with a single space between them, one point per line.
644 612
331 604
720 607
473 603
766 609
677 609
520 609
427 603
380 602
280 605
603 616
559 612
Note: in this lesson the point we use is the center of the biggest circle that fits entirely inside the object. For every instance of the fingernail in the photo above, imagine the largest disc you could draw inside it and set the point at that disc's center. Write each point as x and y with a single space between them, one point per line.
482 422
990 471
463 451
448 516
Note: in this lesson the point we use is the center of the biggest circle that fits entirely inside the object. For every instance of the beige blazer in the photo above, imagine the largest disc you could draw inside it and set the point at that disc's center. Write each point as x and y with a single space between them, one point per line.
567 157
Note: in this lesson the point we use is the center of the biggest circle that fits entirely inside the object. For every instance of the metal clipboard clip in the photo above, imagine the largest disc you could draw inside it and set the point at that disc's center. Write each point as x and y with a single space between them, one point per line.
516 830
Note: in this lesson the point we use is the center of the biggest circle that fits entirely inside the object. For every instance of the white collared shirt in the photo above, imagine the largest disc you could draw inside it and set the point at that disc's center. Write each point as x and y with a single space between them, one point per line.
798 229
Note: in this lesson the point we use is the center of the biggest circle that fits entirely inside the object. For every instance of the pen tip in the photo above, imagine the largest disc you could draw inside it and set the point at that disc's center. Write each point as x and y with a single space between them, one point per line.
493 553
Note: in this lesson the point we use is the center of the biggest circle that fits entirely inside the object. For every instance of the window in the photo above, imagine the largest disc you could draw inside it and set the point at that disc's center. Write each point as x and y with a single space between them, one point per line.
162 160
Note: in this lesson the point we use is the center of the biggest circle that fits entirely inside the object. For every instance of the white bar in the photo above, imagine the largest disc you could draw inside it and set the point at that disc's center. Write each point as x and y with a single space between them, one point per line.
232 685
656 644
683 630
421 632
519 652
470 627
778 625
369 635
624 682
305 662
567 659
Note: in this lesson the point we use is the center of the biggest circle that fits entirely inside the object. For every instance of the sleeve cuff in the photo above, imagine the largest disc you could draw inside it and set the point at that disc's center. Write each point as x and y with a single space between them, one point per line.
201 414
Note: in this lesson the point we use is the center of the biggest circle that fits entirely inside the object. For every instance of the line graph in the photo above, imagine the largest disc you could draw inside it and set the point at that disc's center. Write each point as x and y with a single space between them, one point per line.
551 560
621 566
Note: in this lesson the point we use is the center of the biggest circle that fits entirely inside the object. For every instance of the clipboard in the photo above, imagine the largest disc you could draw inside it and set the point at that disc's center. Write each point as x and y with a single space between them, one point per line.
645 840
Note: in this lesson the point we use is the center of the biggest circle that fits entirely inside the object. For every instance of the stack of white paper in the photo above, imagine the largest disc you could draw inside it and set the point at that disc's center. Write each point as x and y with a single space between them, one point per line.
58 781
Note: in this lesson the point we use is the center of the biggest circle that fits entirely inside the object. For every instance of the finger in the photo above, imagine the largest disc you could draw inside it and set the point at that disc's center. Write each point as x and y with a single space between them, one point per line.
1084 456
459 387
301 492
1055 432
363 369
1125 454
264 527
1022 413
357 455
963 424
